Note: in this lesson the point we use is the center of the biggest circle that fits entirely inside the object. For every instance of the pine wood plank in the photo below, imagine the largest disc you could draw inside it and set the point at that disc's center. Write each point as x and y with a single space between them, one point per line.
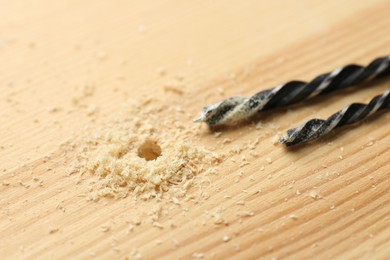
49 50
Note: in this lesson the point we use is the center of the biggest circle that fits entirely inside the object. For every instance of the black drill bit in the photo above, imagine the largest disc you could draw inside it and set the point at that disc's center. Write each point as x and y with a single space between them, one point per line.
353 113
234 109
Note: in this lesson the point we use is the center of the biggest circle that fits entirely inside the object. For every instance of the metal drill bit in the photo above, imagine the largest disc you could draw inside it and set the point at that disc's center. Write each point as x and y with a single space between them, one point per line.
353 113
235 109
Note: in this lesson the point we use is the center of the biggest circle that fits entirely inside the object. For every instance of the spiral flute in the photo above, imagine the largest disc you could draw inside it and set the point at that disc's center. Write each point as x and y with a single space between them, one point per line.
235 109
353 113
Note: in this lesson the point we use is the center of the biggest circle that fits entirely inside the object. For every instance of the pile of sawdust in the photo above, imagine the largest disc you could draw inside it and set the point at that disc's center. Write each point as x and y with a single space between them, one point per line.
148 153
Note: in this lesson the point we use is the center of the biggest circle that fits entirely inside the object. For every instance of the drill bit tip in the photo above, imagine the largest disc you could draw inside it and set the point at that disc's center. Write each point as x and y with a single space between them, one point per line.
206 113
200 118
215 114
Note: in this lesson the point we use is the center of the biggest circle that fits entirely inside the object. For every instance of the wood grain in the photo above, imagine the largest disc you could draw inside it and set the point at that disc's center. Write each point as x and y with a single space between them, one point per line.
51 49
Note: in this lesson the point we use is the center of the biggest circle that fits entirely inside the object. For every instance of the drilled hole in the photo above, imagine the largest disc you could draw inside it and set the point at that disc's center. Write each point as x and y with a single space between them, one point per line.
149 150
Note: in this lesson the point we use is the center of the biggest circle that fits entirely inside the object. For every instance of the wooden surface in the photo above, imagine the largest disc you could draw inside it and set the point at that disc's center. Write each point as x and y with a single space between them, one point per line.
50 49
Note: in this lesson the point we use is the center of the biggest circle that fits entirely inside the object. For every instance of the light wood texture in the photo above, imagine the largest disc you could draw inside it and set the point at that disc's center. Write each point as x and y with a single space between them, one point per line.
50 48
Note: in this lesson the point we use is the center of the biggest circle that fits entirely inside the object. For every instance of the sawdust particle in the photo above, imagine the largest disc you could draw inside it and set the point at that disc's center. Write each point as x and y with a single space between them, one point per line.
225 238
105 228
198 255
162 71
246 213
158 225
314 195
101 55
53 230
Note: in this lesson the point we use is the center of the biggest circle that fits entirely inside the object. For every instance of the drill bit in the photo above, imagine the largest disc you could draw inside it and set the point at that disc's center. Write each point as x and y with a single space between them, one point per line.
353 113
235 109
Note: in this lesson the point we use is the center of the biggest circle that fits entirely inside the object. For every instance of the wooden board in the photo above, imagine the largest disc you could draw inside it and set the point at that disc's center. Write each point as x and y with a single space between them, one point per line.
51 49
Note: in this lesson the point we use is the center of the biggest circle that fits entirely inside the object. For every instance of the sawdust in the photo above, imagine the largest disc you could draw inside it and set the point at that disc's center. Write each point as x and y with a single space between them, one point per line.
225 238
148 152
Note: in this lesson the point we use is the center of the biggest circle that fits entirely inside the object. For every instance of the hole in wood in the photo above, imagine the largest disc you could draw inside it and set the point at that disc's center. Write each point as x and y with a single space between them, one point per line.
149 150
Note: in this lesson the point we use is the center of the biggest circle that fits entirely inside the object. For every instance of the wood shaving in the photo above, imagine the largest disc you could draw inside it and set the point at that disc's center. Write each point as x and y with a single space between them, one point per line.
246 213
105 228
137 221
173 89
158 225
226 239
218 219
198 255
314 195
53 230
136 254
